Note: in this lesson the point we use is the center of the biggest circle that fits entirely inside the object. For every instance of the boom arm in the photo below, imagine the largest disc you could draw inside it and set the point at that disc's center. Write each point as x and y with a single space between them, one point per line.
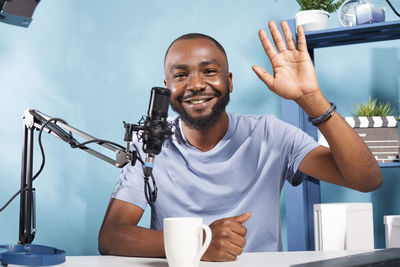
35 120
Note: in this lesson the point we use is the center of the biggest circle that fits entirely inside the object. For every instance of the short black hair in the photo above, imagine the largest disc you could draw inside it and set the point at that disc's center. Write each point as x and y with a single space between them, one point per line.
194 35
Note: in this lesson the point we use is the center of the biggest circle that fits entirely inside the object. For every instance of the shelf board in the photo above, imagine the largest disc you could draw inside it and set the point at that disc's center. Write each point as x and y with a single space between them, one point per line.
366 33
389 165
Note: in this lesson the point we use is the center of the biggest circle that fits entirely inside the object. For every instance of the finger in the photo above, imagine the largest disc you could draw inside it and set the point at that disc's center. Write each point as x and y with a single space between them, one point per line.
238 240
301 39
229 257
276 35
288 36
238 229
264 76
266 43
234 250
242 218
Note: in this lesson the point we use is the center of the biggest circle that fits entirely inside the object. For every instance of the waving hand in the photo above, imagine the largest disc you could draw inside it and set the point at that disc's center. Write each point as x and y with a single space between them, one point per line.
348 161
294 73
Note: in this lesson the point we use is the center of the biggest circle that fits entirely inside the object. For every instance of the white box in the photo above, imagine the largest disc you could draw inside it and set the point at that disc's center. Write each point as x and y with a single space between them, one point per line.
392 230
342 226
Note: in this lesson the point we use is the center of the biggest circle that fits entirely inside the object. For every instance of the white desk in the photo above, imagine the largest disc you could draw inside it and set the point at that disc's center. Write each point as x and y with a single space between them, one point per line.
262 259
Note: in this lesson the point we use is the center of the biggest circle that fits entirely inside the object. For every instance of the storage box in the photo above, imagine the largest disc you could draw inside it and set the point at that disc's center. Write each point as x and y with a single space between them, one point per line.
342 226
392 230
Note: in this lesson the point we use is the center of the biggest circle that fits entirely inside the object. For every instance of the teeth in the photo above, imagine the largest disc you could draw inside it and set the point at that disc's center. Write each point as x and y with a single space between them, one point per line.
199 101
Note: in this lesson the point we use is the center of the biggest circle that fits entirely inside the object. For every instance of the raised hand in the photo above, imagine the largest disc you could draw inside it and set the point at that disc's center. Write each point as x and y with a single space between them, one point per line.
228 238
294 73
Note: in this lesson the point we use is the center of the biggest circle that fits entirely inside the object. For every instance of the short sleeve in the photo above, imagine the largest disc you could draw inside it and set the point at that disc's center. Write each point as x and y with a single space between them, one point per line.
295 145
130 187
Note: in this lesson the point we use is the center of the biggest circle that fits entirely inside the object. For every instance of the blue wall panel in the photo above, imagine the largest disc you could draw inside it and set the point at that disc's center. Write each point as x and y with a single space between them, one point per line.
93 63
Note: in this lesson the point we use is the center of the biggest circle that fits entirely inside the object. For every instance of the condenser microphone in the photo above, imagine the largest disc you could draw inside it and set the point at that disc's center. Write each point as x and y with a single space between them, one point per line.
156 128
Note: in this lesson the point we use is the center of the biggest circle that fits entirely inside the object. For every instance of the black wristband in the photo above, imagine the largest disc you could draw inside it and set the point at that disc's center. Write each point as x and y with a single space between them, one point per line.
324 117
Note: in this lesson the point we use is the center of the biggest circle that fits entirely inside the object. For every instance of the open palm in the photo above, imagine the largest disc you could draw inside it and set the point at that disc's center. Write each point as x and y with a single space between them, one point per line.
294 73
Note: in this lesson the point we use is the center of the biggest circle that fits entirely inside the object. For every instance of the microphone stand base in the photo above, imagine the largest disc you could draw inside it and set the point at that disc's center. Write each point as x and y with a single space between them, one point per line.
31 255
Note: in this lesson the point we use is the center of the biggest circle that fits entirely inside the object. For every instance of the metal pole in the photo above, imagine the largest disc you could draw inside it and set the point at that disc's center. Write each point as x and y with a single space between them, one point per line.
29 190
23 184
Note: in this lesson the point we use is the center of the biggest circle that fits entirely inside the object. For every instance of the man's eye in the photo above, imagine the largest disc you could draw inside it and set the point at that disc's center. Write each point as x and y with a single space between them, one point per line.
210 71
179 75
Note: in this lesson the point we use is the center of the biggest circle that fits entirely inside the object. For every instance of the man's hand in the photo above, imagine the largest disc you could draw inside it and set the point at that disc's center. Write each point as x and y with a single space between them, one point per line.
294 73
228 238
348 162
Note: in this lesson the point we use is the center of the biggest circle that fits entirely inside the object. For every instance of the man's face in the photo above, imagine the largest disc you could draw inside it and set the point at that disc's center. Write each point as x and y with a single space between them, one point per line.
196 72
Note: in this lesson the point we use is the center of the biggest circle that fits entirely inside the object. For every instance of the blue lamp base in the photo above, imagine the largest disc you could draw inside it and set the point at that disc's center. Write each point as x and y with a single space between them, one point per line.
31 255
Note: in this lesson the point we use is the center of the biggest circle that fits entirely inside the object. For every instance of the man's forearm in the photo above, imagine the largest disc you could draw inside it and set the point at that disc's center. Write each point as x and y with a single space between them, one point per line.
354 160
352 156
131 240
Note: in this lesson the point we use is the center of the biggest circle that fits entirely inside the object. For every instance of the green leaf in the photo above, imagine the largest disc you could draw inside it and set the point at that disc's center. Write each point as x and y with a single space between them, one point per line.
327 5
372 108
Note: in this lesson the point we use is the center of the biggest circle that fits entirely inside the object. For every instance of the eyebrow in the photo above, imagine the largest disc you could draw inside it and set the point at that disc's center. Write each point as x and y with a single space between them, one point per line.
209 62
178 66
202 64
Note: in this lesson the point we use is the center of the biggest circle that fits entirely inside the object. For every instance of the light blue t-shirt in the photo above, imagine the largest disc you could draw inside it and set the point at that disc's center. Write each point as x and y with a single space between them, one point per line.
244 172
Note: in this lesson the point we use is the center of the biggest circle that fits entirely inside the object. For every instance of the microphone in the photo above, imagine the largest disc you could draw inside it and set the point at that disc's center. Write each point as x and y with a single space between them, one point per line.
156 128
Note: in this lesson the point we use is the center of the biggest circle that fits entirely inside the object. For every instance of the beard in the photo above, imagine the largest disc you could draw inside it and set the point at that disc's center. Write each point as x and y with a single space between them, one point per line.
207 121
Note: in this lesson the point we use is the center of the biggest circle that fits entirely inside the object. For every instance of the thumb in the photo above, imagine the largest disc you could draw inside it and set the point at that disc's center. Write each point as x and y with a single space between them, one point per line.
242 218
264 76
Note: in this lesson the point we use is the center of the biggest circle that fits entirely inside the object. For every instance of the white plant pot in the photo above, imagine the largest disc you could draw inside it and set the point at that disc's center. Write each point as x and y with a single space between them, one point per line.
312 20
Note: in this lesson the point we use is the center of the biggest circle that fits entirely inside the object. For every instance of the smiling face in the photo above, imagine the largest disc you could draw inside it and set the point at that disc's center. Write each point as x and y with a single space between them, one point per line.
196 72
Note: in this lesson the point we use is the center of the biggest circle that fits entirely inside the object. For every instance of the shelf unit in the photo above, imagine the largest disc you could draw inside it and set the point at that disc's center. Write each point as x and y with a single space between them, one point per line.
300 199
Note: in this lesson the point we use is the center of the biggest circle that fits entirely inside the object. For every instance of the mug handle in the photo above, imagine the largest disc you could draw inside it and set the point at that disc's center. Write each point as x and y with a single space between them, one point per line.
207 242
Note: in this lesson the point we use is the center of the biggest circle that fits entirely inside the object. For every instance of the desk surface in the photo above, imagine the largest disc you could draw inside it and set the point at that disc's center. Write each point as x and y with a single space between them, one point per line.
275 259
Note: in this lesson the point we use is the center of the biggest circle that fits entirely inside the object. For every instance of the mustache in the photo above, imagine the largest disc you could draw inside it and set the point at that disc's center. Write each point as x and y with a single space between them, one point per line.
198 94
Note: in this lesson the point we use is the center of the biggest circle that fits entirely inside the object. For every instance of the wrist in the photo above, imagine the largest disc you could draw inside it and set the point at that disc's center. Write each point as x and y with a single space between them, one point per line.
324 117
314 104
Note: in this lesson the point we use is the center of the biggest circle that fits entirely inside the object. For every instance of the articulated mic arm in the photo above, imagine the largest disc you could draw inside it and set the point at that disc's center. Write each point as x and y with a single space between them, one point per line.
35 120
152 130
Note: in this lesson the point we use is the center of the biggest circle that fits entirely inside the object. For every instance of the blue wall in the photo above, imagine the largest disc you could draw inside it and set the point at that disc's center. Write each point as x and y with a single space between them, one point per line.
93 63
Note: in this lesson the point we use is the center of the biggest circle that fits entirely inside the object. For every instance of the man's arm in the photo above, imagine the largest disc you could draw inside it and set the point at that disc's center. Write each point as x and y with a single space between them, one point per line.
348 161
120 235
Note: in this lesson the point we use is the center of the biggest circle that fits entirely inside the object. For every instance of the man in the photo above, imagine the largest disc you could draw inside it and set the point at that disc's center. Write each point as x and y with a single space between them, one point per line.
228 168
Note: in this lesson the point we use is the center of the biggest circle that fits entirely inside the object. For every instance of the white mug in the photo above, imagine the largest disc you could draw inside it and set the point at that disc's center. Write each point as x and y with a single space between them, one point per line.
183 238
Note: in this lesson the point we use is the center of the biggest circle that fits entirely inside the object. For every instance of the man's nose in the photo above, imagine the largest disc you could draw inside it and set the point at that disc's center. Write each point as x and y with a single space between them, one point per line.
196 83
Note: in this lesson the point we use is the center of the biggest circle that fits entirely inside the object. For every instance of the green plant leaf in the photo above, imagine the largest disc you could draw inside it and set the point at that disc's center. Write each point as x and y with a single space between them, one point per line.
372 108
327 5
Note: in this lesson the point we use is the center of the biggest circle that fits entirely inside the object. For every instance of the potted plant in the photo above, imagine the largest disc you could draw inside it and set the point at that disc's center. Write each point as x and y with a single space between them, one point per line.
375 124
314 14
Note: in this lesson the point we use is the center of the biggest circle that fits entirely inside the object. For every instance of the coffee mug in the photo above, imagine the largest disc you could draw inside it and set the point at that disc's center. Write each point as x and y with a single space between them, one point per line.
183 241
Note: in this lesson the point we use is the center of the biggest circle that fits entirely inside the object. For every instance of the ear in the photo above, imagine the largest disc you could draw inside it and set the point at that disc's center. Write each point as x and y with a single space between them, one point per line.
230 84
165 83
